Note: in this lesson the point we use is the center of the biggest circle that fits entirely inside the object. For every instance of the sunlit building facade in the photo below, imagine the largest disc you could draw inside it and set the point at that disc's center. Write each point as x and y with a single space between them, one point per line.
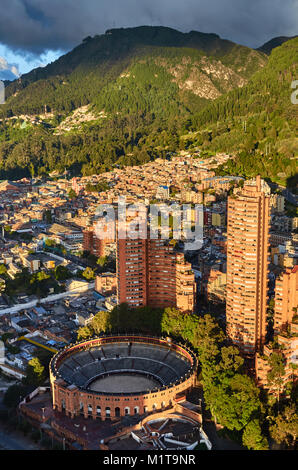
247 265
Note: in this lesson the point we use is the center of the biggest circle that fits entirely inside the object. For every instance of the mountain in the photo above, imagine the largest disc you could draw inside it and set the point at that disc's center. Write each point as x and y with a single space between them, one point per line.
98 60
258 122
273 43
125 97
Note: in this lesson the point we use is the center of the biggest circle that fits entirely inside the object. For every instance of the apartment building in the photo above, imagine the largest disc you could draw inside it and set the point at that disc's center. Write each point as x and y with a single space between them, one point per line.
285 332
95 245
286 298
150 272
106 284
247 266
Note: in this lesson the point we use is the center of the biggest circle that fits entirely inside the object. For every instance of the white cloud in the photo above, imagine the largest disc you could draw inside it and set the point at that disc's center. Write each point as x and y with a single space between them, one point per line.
8 71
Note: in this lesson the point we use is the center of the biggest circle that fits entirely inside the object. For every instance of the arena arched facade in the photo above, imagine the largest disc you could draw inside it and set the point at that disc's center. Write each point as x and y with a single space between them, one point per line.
114 376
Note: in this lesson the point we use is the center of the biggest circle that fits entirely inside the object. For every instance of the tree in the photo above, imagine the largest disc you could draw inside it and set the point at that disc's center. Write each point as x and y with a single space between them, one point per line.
235 401
13 394
207 338
87 38
285 428
84 332
2 285
101 323
72 194
61 273
44 356
3 269
171 322
49 242
32 170
231 361
102 260
40 276
276 374
6 336
88 274
35 372
252 437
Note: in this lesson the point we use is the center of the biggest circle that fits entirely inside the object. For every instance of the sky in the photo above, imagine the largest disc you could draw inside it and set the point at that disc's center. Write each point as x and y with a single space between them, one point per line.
36 32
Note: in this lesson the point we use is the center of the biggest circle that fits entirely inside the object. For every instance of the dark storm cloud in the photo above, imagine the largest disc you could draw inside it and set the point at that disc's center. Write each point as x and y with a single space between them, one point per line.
35 26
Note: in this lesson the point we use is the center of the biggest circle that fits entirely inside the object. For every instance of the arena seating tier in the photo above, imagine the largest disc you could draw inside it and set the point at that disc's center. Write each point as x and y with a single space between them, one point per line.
161 362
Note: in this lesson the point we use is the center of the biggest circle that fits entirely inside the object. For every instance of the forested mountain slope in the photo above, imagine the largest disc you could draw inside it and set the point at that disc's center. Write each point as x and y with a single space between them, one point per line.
130 95
258 121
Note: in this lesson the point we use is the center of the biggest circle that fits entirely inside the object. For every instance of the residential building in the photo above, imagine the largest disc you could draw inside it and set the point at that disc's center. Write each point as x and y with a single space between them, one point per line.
286 298
106 284
247 266
150 272
285 339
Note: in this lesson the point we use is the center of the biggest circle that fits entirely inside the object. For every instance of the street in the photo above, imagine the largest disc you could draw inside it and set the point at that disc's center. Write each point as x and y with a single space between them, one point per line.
15 440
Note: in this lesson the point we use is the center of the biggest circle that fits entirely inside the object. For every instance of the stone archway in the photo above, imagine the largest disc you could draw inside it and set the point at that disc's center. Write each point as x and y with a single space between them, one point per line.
108 412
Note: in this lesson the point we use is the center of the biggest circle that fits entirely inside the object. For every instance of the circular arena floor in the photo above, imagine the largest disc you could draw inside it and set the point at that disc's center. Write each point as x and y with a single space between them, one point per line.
123 383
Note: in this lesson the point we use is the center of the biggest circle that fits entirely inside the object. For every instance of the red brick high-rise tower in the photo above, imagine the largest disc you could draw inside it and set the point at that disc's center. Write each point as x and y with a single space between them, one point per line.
286 298
285 338
95 245
151 272
247 266
131 272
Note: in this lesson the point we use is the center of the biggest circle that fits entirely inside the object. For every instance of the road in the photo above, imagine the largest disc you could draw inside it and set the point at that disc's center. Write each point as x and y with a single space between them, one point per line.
292 198
219 443
13 440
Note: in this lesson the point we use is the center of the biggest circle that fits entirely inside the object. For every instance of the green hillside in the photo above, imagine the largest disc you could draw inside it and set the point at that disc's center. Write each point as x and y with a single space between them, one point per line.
275 42
133 94
257 122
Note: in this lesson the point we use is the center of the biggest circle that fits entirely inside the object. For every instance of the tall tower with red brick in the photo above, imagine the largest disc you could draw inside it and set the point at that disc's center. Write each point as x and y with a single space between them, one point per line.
285 338
151 272
286 298
247 265
94 244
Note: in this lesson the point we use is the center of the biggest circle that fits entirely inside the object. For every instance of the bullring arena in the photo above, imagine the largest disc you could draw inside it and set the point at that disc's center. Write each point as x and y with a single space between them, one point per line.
121 375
